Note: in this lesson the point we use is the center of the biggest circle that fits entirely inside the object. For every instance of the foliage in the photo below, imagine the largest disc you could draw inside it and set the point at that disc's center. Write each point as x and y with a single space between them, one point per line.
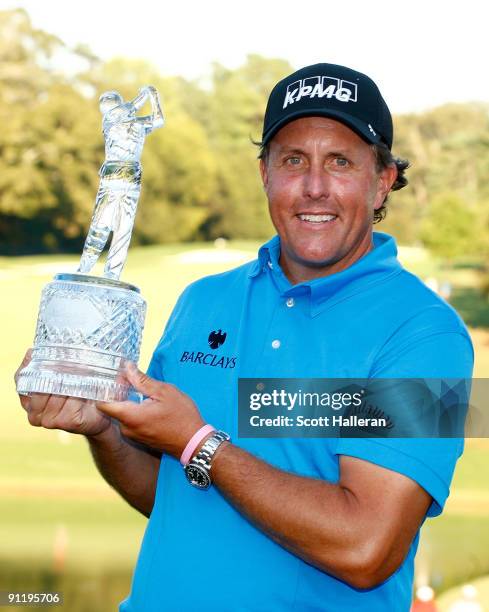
200 177
449 227
448 148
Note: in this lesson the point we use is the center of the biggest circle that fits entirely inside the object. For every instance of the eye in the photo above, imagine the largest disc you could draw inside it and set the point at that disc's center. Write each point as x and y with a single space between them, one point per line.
342 162
293 160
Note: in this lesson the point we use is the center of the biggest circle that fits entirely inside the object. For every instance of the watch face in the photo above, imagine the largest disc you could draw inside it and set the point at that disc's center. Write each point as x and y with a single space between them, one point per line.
197 476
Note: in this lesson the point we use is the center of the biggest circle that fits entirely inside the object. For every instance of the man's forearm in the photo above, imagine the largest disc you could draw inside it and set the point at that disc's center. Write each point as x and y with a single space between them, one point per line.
131 471
318 521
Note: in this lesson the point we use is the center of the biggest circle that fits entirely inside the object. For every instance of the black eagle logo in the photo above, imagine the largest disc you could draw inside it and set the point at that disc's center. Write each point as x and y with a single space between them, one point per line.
216 339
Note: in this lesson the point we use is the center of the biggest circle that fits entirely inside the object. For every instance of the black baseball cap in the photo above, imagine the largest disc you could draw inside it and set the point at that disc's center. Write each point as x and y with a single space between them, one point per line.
329 90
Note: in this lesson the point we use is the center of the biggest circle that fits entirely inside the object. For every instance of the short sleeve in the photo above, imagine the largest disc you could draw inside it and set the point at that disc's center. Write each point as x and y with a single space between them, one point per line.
429 462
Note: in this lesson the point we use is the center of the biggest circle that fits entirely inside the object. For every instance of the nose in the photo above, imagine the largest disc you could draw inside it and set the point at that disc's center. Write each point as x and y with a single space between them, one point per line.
316 182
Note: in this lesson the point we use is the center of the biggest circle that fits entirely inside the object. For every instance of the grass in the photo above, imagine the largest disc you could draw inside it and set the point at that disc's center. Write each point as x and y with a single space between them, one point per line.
50 492
448 599
453 550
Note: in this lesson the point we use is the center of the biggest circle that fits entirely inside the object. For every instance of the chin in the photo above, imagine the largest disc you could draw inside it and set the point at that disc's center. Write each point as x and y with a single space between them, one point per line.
317 261
317 256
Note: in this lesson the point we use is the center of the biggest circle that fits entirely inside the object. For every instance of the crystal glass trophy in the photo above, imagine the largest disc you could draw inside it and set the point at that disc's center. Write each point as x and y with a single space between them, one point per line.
89 326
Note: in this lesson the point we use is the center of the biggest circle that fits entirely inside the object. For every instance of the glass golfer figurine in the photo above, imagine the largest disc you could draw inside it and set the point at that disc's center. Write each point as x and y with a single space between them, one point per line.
89 326
120 177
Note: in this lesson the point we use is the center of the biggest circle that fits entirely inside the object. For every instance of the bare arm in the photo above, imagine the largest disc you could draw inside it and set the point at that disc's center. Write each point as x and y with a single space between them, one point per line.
156 119
141 98
358 530
130 469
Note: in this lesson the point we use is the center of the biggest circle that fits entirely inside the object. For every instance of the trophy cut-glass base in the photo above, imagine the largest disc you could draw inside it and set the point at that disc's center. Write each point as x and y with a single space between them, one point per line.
88 328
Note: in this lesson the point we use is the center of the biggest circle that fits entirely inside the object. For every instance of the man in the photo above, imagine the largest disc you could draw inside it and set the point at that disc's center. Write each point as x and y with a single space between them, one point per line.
287 524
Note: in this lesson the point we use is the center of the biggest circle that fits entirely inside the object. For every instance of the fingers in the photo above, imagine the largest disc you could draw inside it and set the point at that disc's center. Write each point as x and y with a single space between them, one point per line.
144 384
36 401
43 409
76 415
118 410
25 401
24 398
73 414
127 415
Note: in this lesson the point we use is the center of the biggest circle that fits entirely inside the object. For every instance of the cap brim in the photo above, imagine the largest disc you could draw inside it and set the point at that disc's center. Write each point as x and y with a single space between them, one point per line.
359 127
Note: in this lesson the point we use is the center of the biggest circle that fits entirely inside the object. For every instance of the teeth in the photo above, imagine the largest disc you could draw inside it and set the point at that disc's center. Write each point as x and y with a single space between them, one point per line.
317 218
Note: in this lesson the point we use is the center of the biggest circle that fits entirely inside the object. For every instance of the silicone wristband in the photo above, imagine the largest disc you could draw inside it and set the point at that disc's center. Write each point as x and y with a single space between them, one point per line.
194 441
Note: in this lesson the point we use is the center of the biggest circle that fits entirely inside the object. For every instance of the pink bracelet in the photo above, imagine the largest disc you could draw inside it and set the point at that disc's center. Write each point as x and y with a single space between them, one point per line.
194 441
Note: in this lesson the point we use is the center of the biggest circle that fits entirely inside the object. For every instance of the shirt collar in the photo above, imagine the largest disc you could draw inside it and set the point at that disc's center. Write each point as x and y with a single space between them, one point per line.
267 254
373 267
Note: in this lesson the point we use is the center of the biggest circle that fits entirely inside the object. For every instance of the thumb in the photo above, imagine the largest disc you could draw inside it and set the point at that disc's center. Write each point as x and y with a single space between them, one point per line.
142 382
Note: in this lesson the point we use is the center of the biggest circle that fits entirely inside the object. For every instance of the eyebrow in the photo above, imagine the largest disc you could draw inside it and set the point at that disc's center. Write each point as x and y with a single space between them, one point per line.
284 149
290 149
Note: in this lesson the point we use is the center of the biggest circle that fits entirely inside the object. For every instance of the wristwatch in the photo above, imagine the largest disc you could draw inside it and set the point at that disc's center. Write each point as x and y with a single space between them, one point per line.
198 470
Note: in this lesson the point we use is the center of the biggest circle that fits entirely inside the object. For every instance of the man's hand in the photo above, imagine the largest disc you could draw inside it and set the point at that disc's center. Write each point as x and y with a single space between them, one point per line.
60 412
132 471
165 421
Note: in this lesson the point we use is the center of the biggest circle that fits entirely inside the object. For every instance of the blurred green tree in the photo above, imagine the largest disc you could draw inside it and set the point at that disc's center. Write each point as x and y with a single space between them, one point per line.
47 177
235 115
449 230
448 148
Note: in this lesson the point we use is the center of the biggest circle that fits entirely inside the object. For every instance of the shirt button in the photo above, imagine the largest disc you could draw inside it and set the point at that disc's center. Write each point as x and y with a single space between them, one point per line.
290 302
275 344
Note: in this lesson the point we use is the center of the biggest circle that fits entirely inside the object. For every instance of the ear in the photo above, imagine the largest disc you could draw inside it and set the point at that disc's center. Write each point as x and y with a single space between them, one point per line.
386 180
264 173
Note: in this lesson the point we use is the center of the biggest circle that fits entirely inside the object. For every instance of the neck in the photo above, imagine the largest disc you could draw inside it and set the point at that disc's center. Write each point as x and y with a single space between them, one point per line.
299 272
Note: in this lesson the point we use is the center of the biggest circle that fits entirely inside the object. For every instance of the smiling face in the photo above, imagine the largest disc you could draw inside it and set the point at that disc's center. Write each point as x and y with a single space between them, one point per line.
323 186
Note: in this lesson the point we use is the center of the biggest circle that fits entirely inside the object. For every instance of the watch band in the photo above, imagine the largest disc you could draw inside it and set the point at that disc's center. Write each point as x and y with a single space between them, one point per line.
209 448
201 464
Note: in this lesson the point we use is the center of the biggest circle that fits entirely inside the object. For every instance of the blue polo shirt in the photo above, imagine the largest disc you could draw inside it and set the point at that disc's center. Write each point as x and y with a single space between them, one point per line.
373 319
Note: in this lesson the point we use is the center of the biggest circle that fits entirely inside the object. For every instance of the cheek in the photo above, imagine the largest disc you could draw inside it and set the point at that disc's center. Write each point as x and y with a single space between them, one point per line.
276 213
374 190
361 196
348 194
281 194
343 188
